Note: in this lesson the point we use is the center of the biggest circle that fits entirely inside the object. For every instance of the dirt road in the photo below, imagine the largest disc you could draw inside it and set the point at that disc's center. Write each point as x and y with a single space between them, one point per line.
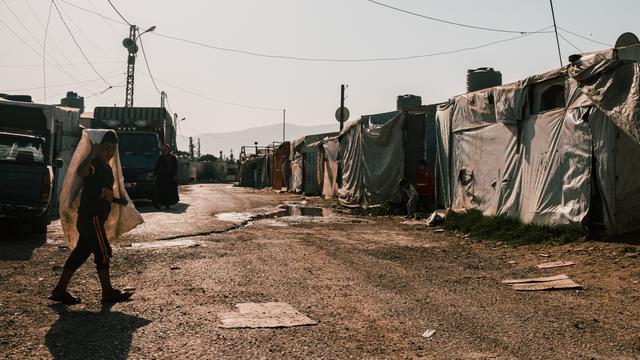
373 285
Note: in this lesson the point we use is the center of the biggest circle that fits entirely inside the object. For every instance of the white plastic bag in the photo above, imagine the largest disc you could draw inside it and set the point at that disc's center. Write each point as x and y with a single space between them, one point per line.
121 219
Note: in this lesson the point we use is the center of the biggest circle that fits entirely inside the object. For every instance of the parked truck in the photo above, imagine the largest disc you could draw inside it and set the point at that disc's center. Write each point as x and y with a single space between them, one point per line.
36 145
142 131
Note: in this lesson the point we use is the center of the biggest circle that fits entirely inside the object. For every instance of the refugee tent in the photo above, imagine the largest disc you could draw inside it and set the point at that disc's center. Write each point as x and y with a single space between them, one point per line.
376 151
330 182
556 148
281 165
307 165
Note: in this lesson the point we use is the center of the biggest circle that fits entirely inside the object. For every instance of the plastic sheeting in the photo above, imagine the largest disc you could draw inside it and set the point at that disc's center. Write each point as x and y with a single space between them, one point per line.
121 220
331 148
573 164
372 153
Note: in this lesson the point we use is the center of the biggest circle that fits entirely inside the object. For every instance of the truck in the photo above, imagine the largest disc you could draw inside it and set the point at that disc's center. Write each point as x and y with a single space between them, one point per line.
142 131
36 145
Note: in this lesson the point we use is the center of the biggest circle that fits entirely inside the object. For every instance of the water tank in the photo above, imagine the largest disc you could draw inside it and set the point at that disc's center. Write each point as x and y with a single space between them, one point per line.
408 102
482 78
73 101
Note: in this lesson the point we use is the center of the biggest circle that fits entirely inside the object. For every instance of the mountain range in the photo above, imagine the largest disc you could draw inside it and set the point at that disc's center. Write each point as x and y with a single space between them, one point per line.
213 143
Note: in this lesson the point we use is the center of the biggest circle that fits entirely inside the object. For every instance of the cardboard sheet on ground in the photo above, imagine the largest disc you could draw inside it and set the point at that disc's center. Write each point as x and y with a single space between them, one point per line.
264 315
544 283
555 264
121 219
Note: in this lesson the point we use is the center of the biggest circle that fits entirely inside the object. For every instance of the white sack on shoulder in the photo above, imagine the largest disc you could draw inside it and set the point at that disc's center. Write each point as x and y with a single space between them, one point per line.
121 220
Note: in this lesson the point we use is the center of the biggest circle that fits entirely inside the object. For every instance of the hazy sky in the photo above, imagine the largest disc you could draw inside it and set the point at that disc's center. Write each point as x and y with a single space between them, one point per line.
309 90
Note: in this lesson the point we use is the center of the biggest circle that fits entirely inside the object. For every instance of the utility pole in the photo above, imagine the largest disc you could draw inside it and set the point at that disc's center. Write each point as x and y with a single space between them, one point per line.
191 147
284 122
341 107
163 95
198 148
130 44
555 28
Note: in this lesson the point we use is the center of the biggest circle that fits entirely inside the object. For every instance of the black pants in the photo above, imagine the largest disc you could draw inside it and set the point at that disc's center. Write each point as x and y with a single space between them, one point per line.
93 240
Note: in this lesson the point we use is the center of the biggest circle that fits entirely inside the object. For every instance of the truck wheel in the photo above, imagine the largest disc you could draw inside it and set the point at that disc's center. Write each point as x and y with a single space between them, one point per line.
39 224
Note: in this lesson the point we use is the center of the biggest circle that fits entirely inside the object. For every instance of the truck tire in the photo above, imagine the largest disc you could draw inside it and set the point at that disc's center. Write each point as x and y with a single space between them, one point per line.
39 224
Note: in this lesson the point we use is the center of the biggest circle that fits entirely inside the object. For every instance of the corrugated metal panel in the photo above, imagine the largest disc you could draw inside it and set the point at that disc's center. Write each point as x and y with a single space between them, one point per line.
132 113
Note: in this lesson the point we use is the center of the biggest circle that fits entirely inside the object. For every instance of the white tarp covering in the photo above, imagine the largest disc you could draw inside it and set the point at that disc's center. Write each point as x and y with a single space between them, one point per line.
331 147
121 219
506 153
372 154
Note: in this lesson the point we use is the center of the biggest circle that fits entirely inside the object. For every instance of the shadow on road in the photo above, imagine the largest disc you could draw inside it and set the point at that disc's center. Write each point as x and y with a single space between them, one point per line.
147 207
91 335
17 243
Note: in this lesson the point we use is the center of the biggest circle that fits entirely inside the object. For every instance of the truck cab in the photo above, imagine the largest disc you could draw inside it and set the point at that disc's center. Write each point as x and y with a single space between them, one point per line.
31 160
141 133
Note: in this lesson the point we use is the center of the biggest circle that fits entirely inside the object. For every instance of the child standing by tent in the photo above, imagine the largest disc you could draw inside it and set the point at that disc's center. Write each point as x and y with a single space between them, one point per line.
412 196
95 205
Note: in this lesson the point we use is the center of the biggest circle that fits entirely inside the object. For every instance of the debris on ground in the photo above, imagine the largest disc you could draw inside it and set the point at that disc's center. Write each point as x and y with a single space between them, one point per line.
555 264
429 333
544 255
435 219
438 230
165 244
264 315
545 283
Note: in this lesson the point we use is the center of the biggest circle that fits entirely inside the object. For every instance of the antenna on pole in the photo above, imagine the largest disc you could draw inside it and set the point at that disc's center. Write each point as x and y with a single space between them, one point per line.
555 28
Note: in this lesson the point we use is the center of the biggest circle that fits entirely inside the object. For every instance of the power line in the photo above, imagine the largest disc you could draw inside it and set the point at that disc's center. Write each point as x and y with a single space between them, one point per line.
94 13
570 43
44 50
584 37
448 21
103 20
76 42
58 85
118 12
38 42
144 55
36 51
58 64
215 99
287 57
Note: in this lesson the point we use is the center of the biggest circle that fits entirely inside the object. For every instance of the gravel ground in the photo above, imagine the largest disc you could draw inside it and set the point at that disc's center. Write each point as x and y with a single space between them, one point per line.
374 285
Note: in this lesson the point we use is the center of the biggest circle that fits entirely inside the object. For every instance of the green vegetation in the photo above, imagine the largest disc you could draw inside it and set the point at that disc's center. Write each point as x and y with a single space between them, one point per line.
509 230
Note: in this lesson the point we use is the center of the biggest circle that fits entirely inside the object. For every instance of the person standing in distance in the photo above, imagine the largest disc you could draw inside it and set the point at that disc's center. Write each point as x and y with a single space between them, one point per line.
166 174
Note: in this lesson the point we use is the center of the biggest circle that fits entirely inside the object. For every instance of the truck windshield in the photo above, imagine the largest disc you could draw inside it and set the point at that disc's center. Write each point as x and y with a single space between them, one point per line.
21 149
138 143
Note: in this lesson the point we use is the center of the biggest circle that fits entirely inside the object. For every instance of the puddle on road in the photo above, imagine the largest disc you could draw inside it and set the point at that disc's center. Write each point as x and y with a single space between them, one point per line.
296 210
237 217
165 244
286 210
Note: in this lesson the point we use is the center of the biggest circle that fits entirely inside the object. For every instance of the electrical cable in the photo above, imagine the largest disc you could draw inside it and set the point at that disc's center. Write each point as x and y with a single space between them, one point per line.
144 55
44 50
287 57
57 85
584 37
570 43
87 37
16 66
76 42
118 12
94 13
212 98
103 20
448 21
37 52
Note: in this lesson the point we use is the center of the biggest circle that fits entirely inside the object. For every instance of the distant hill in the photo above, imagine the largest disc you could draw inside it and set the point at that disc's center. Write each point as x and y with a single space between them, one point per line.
213 143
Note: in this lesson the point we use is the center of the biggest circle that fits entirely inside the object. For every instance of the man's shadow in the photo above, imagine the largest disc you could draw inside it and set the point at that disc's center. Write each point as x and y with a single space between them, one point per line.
91 335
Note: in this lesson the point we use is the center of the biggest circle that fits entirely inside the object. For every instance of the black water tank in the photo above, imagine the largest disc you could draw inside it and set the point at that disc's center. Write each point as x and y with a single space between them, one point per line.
21 98
408 102
482 78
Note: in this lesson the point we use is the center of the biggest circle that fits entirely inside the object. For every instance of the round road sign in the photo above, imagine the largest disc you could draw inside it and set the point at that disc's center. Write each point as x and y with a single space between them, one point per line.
345 114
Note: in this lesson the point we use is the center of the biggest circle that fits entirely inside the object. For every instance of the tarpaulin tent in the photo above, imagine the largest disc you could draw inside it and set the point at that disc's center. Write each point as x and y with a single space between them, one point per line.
555 148
281 165
372 156
330 183
307 165
377 150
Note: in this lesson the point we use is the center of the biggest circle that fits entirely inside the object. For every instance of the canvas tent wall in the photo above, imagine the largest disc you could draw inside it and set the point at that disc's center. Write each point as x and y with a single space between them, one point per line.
331 182
307 165
281 165
546 149
376 151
